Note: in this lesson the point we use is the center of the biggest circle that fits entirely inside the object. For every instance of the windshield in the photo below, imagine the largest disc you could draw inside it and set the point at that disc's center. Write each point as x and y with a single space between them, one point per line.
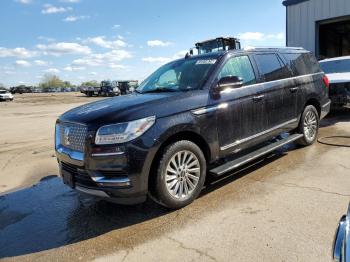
3 92
338 66
181 75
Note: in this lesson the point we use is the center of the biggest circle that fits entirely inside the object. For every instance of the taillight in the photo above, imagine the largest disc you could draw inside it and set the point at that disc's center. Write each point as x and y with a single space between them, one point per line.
326 81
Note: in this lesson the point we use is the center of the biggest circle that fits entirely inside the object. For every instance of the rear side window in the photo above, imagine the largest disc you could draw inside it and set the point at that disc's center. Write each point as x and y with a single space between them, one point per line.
239 66
302 63
271 67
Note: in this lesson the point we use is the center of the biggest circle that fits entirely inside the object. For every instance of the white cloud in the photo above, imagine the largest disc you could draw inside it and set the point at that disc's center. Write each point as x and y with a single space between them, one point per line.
70 1
48 39
158 60
51 9
259 37
72 68
25 2
102 42
17 52
155 43
163 60
75 18
116 66
92 73
61 48
103 58
279 36
52 71
41 63
180 54
116 26
22 63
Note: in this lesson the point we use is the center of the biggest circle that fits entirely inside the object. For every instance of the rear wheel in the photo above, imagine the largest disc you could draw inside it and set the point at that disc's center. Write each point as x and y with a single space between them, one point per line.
308 126
180 175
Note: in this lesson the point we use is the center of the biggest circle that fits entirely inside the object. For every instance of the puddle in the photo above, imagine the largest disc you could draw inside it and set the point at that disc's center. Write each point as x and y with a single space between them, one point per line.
50 215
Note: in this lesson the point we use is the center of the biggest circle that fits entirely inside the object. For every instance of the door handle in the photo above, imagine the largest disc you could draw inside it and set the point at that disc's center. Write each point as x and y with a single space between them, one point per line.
293 89
258 98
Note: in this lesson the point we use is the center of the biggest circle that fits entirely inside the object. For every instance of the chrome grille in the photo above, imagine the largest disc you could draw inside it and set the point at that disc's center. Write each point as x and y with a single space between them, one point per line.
73 136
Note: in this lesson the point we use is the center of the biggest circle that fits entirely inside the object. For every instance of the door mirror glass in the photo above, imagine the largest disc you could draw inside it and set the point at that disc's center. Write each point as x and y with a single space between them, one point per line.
230 82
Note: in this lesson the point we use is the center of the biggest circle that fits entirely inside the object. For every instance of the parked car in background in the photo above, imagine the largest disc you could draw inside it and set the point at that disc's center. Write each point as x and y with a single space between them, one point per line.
21 89
163 139
106 88
5 95
341 244
338 73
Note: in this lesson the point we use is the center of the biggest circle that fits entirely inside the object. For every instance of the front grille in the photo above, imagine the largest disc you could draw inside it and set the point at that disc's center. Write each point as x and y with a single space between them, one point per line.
73 136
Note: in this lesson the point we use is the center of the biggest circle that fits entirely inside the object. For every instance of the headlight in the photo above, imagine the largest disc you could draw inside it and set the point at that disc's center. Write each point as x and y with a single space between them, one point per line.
123 132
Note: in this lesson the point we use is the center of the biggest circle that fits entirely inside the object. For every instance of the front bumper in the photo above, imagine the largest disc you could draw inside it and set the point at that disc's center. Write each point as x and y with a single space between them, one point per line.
120 177
341 243
5 98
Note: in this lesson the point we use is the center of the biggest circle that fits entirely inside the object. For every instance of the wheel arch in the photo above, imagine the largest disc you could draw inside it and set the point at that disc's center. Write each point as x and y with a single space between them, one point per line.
314 102
182 135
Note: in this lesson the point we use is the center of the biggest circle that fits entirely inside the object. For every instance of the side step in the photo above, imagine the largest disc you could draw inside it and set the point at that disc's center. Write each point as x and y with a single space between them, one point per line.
229 166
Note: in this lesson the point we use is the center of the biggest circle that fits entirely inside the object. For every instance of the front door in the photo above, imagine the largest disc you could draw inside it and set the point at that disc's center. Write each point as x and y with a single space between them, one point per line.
241 113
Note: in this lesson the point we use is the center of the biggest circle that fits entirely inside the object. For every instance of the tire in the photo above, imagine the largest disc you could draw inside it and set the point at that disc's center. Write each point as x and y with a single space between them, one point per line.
308 126
191 163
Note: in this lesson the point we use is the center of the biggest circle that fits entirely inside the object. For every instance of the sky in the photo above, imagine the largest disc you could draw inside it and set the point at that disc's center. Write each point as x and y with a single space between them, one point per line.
81 40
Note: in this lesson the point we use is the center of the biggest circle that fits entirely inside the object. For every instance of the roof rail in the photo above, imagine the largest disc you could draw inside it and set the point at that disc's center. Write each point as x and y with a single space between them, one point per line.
271 47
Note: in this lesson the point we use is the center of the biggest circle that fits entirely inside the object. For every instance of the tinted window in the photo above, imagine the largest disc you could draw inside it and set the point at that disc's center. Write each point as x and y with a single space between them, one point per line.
271 67
239 66
302 63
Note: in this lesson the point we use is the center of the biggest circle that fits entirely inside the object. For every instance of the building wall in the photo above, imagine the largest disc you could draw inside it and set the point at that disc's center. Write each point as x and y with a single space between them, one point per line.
302 17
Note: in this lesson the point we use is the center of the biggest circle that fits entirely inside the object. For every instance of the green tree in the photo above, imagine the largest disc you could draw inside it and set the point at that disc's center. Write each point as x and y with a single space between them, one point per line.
92 83
51 81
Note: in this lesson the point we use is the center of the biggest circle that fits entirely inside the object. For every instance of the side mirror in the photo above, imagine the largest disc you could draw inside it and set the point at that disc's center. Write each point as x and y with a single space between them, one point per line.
230 81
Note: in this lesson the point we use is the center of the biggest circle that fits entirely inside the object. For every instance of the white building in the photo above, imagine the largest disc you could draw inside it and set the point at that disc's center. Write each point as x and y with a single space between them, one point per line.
321 26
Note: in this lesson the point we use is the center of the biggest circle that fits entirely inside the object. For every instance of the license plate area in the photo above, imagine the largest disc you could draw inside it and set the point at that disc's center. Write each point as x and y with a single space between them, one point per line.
68 178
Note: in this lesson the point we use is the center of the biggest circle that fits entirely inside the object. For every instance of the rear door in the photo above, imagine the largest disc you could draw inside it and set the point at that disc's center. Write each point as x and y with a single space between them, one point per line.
241 115
280 93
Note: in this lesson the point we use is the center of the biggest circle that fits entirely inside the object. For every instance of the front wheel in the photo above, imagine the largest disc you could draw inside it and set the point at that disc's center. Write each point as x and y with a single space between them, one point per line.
180 175
308 126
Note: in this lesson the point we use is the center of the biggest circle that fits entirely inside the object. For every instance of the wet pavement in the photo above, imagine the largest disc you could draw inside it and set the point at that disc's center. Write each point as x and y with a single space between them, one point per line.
50 215
281 208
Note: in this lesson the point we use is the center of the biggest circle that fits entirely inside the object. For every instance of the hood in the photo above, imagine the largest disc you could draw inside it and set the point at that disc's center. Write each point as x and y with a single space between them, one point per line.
135 106
337 78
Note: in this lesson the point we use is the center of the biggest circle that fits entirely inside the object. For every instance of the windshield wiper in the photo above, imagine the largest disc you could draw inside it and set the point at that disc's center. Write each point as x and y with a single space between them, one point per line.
160 89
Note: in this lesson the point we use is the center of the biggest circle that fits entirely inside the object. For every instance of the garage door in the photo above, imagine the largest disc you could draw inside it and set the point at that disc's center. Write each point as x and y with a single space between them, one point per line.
334 38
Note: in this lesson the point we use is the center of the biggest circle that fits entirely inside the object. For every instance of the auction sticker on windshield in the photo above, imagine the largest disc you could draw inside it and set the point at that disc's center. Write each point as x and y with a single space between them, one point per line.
206 62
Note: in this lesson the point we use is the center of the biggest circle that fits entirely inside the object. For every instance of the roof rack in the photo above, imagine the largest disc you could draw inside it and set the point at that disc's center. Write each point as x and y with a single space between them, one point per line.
216 45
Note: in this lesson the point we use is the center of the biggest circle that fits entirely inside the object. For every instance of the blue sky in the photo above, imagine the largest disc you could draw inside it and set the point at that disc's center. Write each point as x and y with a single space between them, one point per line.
81 40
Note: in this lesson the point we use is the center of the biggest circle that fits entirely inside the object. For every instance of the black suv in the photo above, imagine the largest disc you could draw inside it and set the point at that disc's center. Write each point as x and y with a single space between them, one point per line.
162 140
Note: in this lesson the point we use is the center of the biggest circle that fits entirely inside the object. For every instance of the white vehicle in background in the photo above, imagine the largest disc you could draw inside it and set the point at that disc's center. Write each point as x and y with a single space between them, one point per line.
5 95
338 72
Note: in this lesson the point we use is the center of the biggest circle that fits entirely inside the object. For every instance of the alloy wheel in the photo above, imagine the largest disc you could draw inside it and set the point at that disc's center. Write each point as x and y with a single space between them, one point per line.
182 174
